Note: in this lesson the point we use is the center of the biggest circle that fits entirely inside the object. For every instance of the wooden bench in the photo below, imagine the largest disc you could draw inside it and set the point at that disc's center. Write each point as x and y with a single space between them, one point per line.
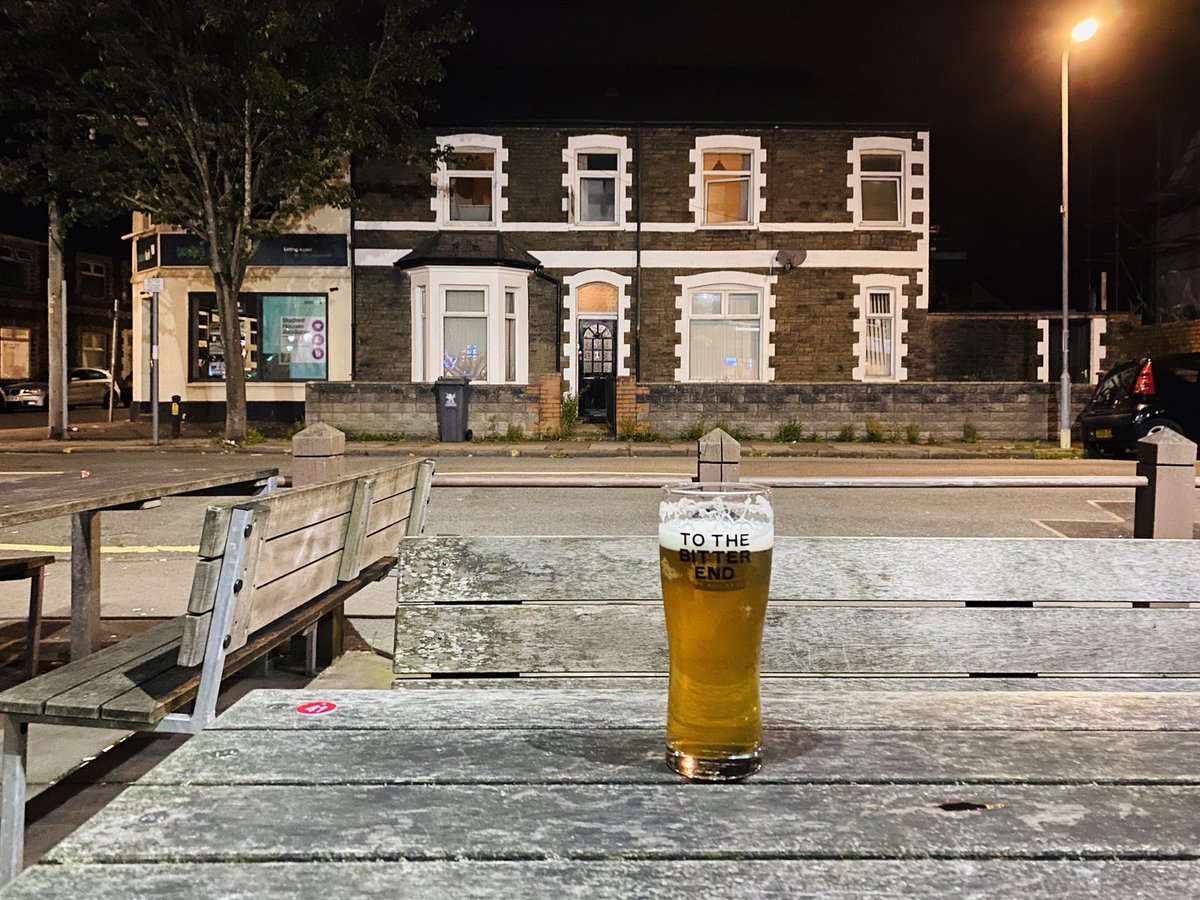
268 570
1016 613
34 568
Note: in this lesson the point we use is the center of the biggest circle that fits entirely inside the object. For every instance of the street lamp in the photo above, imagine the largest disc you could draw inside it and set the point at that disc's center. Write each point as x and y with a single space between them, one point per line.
1080 33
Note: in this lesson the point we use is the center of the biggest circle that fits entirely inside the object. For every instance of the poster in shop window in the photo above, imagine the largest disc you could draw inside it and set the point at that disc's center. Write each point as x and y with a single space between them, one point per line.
295 337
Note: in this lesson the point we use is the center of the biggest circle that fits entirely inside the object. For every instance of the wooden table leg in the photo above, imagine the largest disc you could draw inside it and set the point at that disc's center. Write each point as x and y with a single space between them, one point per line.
85 583
33 635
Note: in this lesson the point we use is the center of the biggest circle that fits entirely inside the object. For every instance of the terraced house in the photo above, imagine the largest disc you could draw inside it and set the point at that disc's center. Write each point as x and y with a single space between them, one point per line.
662 274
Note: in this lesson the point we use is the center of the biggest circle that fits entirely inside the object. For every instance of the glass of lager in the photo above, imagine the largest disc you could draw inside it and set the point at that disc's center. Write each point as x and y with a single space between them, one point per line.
715 555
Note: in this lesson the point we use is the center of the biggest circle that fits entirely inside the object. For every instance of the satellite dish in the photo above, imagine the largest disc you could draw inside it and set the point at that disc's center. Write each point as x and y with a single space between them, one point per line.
789 259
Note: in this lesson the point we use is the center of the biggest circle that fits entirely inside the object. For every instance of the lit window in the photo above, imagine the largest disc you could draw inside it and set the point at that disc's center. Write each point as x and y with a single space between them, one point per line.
93 351
726 188
284 337
464 334
725 335
14 352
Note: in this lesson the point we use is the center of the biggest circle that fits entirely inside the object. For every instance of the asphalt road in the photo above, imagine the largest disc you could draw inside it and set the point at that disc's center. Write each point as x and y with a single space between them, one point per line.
149 554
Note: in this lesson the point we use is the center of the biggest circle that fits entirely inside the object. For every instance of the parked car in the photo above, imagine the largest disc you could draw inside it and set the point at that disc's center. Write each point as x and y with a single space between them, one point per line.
1140 397
85 387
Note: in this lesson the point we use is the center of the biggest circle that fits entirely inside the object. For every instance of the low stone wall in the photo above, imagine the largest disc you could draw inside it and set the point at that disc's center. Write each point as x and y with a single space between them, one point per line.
996 410
410 410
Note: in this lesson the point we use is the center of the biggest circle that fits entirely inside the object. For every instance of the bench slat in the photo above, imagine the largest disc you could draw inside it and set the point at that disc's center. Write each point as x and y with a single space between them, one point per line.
286 554
802 638
30 697
877 570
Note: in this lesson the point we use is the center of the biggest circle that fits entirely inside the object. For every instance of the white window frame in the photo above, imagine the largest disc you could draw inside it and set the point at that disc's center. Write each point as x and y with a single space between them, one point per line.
428 286
470 143
875 284
596 143
727 281
905 181
573 283
729 143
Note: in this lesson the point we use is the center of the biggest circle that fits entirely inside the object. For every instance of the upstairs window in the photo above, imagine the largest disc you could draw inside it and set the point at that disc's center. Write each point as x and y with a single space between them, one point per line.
597 196
93 280
469 181
471 177
728 181
727 178
16 269
881 183
596 185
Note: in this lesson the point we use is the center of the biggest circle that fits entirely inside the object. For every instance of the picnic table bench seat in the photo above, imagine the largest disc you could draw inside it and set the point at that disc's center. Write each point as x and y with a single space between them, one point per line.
267 570
1001 612
34 568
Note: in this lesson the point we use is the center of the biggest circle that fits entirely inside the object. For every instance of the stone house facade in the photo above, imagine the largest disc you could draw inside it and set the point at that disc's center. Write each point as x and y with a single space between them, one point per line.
663 255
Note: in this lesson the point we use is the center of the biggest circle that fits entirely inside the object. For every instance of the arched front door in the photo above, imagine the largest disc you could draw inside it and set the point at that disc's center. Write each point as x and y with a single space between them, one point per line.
597 369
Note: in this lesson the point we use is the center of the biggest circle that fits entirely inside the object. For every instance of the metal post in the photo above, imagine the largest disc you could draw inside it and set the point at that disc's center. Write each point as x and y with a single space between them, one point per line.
1064 398
112 363
154 363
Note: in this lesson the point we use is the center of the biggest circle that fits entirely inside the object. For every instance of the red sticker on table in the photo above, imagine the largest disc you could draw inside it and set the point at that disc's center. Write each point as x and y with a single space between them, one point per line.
319 708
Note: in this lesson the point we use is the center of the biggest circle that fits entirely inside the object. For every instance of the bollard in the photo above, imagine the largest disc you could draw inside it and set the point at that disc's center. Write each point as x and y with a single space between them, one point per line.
718 457
1166 506
176 418
319 454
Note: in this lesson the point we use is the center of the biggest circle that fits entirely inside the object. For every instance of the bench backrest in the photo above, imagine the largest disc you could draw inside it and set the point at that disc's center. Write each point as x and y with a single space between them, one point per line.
839 606
301 542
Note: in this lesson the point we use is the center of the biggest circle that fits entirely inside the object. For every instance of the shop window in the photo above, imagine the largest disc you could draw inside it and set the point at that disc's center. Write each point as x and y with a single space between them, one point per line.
284 337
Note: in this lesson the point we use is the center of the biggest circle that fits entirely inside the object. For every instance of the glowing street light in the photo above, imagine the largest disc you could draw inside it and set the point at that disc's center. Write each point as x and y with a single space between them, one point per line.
1085 30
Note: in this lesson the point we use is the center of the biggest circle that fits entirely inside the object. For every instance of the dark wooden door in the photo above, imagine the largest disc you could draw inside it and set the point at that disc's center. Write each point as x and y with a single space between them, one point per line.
597 370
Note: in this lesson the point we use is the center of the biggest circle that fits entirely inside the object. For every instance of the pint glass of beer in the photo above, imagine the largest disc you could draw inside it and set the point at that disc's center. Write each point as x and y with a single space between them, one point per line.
715 554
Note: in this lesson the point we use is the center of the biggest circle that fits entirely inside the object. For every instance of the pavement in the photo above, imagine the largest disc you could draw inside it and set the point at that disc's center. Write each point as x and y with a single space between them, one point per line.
136 436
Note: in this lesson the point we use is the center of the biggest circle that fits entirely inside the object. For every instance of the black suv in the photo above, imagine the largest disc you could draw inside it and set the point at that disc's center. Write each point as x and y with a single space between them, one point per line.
1139 397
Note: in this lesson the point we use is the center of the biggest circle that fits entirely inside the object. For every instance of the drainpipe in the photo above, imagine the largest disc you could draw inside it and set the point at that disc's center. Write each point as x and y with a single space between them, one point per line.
637 237
558 286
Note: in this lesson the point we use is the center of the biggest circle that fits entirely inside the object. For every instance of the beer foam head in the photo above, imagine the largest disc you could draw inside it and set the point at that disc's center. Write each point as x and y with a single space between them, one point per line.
692 517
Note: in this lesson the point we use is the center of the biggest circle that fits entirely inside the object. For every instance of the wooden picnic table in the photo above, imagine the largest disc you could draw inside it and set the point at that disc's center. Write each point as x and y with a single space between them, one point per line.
467 791
84 499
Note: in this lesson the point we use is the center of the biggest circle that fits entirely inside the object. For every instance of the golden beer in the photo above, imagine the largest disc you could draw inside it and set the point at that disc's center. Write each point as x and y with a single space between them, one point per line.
716 571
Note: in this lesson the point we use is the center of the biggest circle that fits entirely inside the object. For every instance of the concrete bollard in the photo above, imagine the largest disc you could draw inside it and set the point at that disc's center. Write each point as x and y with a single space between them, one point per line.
318 454
718 457
1165 507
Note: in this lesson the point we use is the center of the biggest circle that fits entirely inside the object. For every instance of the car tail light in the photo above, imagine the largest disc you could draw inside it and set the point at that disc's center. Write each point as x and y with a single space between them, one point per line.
1144 386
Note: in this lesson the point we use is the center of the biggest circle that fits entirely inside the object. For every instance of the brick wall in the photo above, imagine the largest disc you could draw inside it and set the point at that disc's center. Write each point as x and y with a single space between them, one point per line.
1128 338
981 347
382 324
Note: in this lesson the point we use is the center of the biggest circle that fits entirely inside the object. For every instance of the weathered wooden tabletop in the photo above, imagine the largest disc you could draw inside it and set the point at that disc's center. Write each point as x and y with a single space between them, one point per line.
49 496
561 792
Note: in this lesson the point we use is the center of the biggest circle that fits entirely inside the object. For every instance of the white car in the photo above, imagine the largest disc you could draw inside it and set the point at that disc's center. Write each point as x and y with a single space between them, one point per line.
85 387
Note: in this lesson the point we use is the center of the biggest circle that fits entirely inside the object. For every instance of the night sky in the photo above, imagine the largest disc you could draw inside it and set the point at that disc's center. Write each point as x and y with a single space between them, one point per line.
982 75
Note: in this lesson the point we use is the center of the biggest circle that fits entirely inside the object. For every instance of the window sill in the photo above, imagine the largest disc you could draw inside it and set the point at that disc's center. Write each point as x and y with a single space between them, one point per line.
728 226
469 226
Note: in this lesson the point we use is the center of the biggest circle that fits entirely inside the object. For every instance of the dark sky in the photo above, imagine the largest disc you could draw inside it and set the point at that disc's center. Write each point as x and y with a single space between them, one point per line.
983 75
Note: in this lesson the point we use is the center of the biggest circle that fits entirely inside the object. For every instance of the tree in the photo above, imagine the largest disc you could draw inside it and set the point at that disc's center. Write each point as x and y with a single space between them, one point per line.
232 120
50 157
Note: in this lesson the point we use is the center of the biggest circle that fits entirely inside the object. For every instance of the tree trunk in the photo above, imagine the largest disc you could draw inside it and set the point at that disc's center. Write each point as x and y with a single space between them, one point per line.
235 363
56 331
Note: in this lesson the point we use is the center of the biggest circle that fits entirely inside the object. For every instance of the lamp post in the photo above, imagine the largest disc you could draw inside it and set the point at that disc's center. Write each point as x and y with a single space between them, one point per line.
1080 33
